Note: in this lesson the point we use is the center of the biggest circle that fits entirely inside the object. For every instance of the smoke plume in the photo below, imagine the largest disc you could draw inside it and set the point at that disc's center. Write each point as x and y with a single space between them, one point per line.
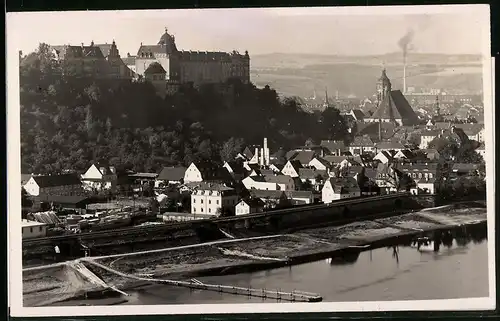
405 42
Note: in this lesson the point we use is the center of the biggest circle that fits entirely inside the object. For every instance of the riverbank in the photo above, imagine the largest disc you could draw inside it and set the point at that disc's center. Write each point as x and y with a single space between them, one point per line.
246 255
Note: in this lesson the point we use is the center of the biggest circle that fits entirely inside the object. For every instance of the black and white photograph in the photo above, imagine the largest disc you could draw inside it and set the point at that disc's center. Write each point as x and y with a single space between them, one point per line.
250 160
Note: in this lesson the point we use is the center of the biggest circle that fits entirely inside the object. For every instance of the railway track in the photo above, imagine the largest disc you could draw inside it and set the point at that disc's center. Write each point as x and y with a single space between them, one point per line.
173 225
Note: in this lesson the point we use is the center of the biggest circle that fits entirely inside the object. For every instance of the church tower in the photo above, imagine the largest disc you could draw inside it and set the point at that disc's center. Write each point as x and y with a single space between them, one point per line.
384 87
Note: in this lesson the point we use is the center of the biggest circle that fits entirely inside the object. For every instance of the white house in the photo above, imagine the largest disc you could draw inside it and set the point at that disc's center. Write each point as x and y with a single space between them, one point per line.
319 164
32 229
291 168
384 157
404 154
99 177
362 145
284 182
258 182
64 184
339 188
427 137
249 206
213 198
203 171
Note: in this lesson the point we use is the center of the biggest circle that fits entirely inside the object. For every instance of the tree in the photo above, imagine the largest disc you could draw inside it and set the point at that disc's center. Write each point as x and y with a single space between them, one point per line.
231 148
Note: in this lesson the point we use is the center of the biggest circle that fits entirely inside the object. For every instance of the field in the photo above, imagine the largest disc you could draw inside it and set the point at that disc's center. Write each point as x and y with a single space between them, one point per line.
300 75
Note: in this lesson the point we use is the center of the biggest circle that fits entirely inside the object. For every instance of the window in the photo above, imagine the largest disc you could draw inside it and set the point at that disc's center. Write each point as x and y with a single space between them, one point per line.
194 209
217 202
209 202
31 230
209 210
40 228
201 201
430 175
202 209
194 200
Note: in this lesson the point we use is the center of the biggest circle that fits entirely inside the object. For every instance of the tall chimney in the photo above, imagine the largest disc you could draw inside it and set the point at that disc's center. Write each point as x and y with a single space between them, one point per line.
256 155
266 152
404 73
262 154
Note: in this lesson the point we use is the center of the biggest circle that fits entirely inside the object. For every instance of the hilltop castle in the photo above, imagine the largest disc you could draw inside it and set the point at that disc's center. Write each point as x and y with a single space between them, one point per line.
162 64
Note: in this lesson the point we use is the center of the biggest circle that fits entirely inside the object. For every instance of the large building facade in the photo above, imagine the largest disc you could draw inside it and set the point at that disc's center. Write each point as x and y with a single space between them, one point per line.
195 67
96 60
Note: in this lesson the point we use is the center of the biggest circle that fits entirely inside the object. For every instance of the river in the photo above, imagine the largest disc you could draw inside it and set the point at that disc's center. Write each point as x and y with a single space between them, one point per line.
456 271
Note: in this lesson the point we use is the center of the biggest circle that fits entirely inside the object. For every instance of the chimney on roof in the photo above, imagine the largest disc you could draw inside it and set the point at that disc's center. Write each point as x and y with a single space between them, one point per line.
128 54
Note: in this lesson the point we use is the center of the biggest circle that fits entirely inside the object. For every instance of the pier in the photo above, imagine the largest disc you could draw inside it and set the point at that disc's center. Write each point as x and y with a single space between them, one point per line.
294 296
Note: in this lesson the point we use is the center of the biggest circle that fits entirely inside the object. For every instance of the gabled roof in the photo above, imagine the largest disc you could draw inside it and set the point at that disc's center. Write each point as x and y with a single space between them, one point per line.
386 154
322 161
155 68
395 106
278 179
311 173
57 180
407 153
263 194
237 167
332 145
296 164
172 173
291 154
362 141
299 194
335 159
105 49
304 157
344 184
389 145
247 153
358 114
129 61
253 202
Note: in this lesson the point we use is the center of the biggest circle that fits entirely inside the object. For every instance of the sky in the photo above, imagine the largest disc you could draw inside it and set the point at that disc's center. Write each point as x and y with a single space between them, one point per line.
336 31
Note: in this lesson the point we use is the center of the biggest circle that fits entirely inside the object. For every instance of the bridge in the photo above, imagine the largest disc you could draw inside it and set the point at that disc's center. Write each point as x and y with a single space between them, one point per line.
270 222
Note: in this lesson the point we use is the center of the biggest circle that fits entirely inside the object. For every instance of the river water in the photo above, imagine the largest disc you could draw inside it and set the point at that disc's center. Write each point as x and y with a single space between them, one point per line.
456 271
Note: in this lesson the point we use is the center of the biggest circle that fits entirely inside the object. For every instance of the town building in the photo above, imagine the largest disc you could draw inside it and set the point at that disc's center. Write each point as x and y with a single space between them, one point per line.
95 60
213 198
291 168
259 183
319 163
99 177
384 157
206 171
63 184
170 176
339 188
32 229
392 105
362 145
334 147
197 67
249 206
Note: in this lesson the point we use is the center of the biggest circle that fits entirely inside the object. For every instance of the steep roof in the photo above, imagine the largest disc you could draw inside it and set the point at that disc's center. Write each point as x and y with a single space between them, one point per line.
358 114
333 145
389 145
395 106
311 173
362 141
105 48
253 202
57 180
304 157
129 61
278 179
167 41
271 194
344 184
172 173
155 68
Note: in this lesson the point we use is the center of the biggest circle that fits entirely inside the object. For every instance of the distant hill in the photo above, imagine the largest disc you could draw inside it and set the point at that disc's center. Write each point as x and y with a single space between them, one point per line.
301 74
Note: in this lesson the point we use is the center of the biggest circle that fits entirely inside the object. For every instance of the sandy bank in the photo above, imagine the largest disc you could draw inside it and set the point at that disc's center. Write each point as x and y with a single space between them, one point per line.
46 286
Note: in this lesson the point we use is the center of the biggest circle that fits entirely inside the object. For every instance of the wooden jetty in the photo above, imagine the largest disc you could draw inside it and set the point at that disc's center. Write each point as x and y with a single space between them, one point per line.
294 296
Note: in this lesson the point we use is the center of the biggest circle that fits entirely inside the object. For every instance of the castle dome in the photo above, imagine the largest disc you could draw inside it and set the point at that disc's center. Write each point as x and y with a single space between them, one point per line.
168 41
